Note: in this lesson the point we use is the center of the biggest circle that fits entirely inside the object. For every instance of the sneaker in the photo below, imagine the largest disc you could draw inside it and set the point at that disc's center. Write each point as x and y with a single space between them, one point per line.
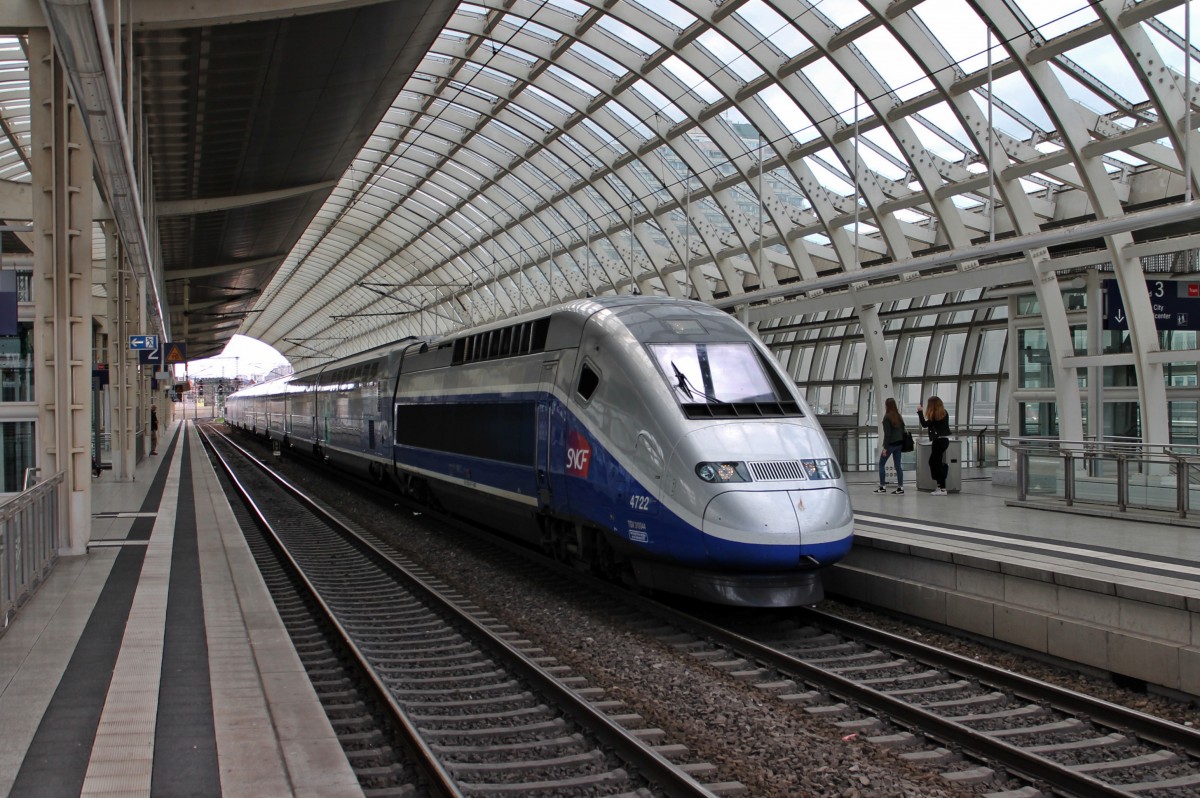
898 490
938 492
881 489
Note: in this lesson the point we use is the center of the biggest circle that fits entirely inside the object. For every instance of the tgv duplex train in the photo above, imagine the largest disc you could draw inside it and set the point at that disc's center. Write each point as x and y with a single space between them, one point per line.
653 439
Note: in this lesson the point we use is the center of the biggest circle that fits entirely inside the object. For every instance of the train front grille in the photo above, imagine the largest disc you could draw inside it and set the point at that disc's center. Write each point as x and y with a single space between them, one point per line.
777 471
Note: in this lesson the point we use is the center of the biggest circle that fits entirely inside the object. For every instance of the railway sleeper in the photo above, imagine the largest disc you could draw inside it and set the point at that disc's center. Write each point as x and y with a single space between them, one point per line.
1027 711
986 699
931 689
898 740
527 711
935 756
1154 759
908 677
1107 740
592 757
497 732
359 757
549 788
572 740
976 775
1176 783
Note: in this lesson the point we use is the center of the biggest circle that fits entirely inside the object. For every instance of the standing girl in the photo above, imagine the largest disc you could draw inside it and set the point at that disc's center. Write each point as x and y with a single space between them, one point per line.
893 446
938 424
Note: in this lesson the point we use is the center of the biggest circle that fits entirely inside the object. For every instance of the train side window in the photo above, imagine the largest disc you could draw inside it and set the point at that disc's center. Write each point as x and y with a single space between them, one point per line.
588 381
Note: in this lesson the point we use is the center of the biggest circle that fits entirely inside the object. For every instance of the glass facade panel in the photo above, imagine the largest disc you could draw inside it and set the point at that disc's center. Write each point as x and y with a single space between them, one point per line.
908 396
1038 419
1120 376
1183 423
829 354
1122 420
17 441
820 398
990 355
913 354
1180 375
1033 364
950 359
854 361
847 399
948 393
16 365
983 410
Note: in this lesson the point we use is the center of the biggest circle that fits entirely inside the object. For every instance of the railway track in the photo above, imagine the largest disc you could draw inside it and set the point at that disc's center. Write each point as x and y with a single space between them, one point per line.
965 718
981 727
477 709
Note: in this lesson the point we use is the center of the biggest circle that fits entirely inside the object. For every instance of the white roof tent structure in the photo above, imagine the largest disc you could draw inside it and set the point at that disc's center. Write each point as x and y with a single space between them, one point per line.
846 172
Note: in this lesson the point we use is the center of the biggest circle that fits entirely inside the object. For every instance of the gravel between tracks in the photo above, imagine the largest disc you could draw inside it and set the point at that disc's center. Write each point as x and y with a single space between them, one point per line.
774 750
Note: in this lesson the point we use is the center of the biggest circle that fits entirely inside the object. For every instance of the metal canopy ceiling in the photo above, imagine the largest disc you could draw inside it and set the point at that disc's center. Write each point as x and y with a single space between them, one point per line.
735 152
248 124
517 154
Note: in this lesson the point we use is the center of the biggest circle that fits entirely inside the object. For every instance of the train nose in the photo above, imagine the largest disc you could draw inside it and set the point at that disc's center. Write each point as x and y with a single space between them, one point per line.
781 528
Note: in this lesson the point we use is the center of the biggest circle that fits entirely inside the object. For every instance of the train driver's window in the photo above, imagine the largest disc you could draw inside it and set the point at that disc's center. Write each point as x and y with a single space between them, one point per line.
588 380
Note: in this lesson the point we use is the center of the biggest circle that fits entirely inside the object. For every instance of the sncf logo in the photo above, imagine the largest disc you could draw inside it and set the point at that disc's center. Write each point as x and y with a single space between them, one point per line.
579 455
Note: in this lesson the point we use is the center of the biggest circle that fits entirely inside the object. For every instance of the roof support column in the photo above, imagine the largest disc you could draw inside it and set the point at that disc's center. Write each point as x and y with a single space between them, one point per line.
61 165
122 364
1060 343
1143 335
881 367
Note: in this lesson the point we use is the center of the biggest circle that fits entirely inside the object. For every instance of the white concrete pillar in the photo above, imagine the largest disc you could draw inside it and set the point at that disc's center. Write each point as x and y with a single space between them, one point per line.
122 361
62 221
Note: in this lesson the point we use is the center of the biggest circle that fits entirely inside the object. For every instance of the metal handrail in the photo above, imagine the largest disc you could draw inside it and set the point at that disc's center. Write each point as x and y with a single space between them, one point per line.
31 477
1169 462
859 445
29 541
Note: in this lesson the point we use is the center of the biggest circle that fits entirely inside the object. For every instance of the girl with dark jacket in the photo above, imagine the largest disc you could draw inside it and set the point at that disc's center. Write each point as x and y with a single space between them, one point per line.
893 446
938 424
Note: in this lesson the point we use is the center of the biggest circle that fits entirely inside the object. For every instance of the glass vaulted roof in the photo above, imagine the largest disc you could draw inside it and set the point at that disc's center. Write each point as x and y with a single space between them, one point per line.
549 150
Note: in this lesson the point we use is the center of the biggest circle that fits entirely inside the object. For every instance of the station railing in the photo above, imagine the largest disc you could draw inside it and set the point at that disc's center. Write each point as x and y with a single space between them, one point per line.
1121 474
29 542
857 448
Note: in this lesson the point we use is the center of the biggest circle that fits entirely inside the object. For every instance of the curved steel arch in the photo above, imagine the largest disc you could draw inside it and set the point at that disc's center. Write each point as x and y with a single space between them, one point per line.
695 152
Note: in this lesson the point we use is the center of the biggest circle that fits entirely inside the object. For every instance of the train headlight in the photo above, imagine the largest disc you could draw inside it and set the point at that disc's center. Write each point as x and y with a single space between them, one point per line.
723 472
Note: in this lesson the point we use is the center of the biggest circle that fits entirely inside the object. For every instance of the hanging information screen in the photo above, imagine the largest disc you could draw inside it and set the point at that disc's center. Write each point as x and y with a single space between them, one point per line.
1176 305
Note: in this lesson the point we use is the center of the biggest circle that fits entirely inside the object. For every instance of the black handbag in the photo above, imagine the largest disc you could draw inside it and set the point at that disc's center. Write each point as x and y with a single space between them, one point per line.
908 444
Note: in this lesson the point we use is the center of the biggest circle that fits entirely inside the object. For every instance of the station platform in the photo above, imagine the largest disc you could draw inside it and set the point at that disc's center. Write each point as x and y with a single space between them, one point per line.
156 663
1113 593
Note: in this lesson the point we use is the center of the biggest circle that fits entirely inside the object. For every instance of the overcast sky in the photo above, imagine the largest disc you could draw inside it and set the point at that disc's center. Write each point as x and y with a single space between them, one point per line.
244 356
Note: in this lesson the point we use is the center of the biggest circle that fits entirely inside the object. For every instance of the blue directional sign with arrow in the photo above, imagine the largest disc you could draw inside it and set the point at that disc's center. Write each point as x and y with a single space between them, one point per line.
143 342
1176 305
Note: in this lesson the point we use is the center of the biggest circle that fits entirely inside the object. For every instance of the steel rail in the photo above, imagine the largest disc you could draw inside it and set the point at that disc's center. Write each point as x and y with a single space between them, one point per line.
665 775
439 780
1147 727
1030 766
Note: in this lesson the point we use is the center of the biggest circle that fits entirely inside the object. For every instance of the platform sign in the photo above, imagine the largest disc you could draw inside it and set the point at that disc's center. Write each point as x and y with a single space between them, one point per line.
150 357
1176 305
175 352
143 342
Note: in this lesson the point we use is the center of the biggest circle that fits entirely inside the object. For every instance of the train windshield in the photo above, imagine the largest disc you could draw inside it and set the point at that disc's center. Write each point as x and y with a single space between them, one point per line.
714 373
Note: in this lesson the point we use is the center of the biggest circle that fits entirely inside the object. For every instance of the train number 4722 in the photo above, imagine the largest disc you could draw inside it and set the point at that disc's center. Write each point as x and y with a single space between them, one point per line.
639 502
